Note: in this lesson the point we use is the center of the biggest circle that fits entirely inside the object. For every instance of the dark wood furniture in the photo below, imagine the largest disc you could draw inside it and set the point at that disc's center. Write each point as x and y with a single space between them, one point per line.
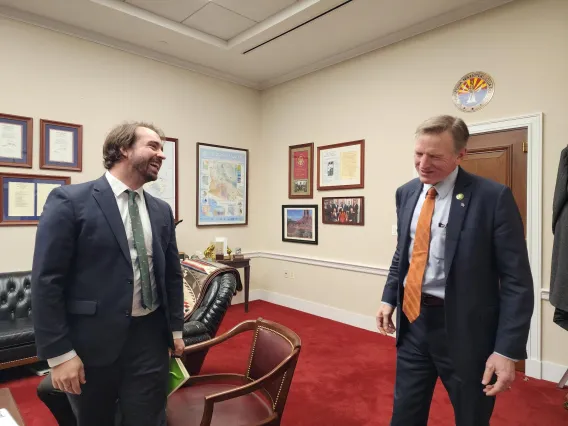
257 397
7 402
241 263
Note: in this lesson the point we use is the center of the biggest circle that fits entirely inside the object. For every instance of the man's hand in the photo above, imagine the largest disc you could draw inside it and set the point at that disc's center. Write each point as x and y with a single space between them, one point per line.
179 346
384 319
504 369
69 376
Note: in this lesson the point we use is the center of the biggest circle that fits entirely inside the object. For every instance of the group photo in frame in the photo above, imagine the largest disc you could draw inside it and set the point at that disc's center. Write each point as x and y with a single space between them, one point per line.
343 210
23 196
61 146
222 185
301 171
166 186
341 166
300 223
16 141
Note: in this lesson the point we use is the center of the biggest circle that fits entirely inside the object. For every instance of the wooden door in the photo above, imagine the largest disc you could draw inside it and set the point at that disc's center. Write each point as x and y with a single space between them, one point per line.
502 156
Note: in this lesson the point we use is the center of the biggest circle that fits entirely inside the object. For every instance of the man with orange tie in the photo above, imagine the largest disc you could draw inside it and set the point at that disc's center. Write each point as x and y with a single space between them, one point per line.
461 280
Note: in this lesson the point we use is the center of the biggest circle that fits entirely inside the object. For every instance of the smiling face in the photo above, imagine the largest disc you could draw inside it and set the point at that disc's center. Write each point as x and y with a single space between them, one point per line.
435 156
145 156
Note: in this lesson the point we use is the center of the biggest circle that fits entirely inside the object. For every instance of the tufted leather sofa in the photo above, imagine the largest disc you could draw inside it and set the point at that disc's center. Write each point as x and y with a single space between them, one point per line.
17 345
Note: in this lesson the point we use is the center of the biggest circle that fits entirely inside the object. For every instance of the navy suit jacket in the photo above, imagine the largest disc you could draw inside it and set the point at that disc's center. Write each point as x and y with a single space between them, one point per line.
82 277
489 298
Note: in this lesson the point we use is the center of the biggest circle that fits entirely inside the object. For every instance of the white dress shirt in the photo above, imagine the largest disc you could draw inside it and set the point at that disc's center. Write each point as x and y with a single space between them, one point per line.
119 189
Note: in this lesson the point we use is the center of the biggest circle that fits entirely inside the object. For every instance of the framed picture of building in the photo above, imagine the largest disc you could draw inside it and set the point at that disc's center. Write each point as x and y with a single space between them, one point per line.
300 223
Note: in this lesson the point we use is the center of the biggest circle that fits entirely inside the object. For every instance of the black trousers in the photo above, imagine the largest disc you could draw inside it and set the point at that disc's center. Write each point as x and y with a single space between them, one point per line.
138 379
422 357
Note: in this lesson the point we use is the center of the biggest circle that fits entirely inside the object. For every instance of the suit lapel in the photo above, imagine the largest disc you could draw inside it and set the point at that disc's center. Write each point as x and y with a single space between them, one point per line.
107 202
458 210
406 218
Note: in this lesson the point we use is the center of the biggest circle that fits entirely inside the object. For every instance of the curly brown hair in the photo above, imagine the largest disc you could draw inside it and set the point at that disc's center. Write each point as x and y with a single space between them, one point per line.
123 136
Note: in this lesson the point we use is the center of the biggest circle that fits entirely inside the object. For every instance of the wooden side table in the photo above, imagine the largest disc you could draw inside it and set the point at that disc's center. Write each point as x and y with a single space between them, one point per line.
241 263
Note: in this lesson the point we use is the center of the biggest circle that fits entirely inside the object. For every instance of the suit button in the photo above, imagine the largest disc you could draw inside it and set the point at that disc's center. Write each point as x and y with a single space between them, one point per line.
127 313
129 282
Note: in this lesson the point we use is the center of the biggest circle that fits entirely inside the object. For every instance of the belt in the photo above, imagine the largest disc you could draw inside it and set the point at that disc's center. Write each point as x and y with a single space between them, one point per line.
428 300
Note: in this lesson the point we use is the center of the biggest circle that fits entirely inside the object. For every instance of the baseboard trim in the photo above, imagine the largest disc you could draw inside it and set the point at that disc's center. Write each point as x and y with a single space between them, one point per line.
545 370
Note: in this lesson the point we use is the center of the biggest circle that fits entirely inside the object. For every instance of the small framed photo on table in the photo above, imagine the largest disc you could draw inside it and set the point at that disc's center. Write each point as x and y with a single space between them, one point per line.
300 223
16 141
61 146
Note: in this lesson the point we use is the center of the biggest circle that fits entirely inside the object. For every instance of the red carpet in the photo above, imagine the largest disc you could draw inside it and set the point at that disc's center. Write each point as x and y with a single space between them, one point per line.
344 377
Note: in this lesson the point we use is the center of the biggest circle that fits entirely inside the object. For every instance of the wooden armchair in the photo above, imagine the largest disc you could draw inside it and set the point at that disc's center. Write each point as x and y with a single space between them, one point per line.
254 398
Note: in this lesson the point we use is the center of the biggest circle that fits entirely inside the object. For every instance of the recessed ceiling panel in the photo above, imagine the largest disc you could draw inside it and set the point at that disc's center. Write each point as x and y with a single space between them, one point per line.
176 10
218 21
257 10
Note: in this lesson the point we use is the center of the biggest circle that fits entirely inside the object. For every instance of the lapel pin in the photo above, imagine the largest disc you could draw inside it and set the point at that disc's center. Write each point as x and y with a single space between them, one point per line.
459 196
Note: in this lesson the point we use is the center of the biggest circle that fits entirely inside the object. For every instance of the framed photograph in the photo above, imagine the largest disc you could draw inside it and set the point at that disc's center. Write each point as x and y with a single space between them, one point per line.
222 185
22 197
16 141
341 166
343 210
61 146
301 171
166 186
300 223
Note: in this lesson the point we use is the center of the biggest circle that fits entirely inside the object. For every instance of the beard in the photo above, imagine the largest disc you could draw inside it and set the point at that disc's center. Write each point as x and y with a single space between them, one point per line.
145 168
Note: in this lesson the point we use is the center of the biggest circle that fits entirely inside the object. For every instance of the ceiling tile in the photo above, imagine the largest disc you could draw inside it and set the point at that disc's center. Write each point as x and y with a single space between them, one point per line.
176 10
257 10
218 21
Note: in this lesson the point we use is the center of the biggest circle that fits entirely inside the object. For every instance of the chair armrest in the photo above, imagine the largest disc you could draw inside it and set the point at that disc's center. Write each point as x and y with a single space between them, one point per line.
254 385
244 326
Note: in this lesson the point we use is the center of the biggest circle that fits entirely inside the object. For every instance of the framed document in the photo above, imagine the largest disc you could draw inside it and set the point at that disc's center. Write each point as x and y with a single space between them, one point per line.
301 171
343 210
300 223
166 186
16 141
61 146
341 166
222 185
22 197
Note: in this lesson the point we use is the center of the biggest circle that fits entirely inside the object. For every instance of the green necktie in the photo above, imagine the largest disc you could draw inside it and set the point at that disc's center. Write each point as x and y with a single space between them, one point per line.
140 246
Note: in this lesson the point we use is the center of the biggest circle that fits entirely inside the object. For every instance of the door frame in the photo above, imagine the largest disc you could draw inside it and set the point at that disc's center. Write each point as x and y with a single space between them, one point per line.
533 124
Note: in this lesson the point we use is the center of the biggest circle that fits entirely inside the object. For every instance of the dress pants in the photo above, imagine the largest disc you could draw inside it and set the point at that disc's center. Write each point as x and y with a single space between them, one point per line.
137 379
422 357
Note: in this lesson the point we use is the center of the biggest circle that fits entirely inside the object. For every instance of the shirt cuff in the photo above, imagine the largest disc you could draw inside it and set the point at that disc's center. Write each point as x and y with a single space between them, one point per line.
385 303
53 362
514 360
178 334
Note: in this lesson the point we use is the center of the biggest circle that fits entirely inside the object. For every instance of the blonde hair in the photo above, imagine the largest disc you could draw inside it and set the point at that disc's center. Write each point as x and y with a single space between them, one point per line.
442 123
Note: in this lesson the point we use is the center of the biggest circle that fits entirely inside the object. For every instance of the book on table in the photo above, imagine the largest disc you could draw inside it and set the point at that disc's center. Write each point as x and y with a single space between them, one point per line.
178 375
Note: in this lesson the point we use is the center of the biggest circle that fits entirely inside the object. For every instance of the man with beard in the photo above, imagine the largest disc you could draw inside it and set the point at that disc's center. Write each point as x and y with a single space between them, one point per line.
107 286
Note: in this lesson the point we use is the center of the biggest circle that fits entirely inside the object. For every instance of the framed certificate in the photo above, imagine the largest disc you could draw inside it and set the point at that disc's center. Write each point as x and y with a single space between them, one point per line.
166 186
61 146
341 166
16 141
22 197
301 171
222 185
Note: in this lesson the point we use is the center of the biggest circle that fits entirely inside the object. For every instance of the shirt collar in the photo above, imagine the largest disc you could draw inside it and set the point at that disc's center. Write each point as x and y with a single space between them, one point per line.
118 187
444 187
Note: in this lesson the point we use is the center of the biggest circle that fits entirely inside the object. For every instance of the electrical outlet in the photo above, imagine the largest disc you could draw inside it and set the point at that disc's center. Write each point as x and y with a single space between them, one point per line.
286 274
393 231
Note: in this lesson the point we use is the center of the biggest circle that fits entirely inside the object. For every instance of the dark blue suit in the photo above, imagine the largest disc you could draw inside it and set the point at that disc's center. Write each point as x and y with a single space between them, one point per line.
82 279
489 296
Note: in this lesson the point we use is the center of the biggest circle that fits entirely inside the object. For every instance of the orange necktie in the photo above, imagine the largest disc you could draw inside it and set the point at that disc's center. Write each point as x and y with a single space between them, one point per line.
413 287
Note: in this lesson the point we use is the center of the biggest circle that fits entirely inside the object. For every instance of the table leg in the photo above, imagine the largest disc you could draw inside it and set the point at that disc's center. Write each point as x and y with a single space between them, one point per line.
247 278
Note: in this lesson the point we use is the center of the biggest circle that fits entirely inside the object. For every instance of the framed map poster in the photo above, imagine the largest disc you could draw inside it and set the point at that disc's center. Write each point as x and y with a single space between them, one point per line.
166 186
341 166
222 185
301 171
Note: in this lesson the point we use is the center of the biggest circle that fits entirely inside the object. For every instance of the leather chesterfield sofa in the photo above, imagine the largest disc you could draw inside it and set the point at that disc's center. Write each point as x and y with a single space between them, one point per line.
17 342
